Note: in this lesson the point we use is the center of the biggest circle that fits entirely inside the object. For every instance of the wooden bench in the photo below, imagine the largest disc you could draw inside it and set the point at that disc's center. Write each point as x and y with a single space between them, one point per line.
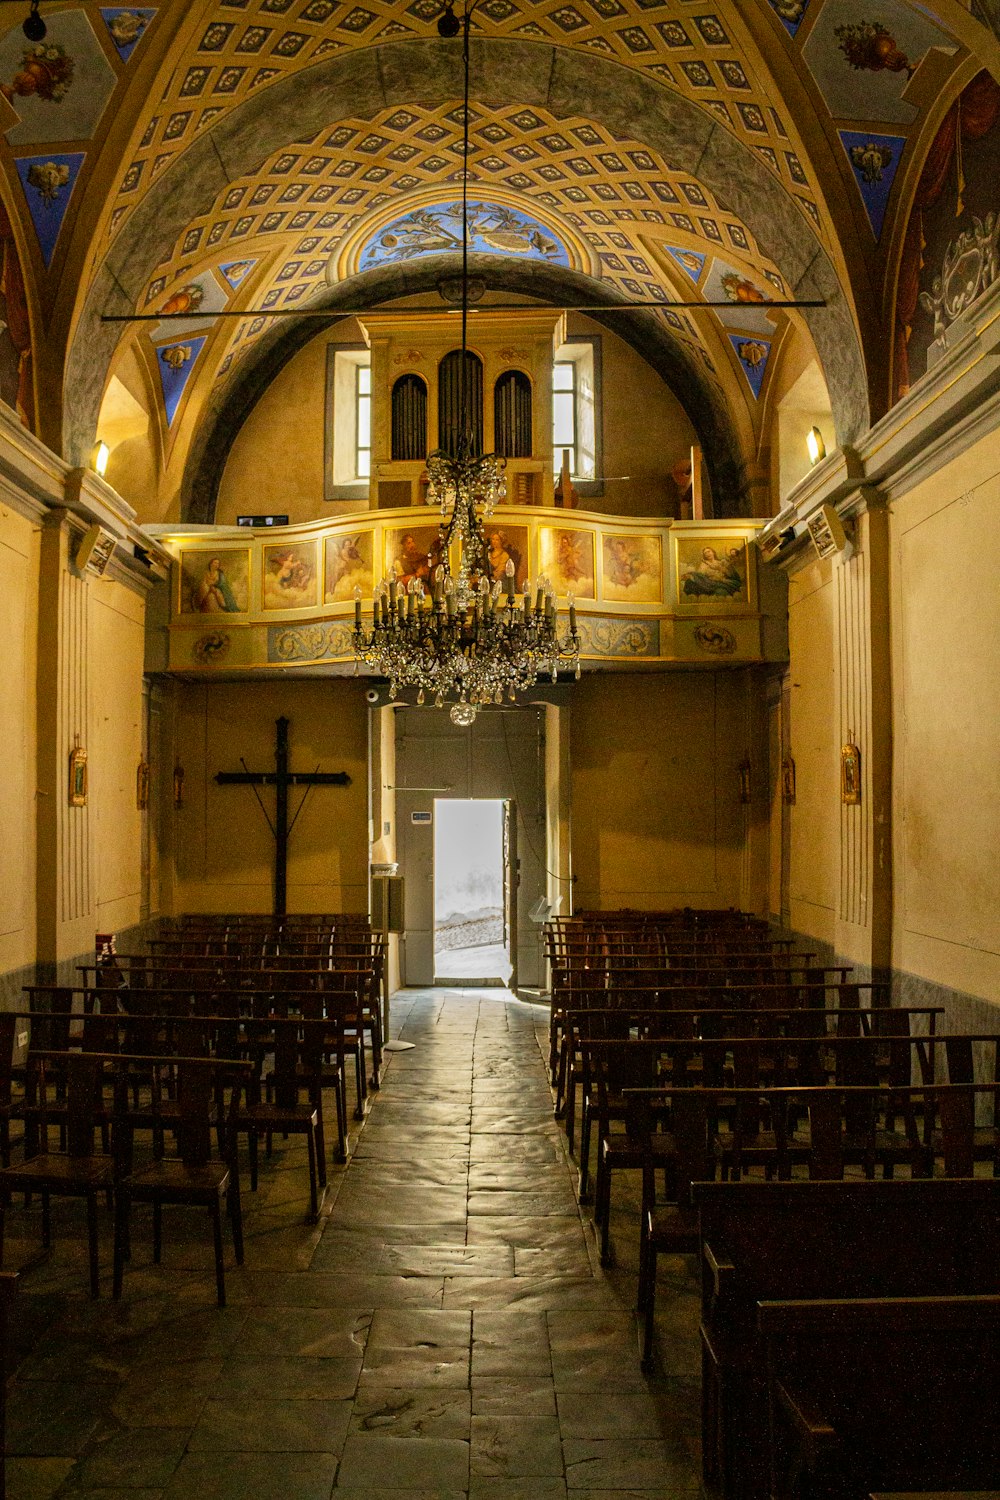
900 1392
766 1241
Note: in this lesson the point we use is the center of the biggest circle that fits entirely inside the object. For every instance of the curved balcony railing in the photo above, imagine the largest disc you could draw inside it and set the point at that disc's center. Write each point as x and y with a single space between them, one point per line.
647 591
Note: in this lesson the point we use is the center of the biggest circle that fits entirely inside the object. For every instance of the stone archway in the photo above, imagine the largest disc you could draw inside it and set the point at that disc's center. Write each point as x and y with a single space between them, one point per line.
565 81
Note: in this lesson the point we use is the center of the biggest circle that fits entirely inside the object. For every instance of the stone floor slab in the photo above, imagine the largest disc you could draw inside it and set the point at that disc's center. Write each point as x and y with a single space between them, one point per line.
372 1460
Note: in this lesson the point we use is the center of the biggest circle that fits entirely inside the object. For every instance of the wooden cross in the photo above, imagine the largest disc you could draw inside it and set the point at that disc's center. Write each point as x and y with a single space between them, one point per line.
281 779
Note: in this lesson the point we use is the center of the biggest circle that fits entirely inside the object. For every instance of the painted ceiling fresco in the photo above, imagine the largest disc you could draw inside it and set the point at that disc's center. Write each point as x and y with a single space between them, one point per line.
839 99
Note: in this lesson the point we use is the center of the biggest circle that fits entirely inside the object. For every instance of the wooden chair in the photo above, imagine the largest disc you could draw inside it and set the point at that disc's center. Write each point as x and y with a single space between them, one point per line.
193 1175
275 1104
78 1171
670 1229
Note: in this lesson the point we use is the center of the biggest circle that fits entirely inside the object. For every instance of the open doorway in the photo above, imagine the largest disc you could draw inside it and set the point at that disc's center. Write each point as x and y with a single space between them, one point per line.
472 935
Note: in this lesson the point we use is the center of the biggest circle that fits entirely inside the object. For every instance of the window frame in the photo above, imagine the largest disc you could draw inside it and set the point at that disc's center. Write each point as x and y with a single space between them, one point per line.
578 349
341 424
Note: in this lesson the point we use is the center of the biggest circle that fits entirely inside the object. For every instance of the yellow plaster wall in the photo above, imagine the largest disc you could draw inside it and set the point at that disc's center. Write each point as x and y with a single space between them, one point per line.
638 455
814 858
19 541
276 462
275 465
945 551
117 642
656 816
223 850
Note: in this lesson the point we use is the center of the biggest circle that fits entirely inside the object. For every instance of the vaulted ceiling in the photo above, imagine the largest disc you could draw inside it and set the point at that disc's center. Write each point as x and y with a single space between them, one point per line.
262 157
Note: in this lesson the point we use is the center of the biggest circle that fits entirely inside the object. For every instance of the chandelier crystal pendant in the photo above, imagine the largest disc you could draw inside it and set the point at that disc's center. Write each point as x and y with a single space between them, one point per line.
469 638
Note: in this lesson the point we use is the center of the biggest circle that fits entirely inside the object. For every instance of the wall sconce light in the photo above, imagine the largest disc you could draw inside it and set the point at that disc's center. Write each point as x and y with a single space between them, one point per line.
816 445
99 458
34 27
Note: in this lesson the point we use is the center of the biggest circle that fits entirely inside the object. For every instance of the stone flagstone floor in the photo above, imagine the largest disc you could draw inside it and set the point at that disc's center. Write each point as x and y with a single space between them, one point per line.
444 1332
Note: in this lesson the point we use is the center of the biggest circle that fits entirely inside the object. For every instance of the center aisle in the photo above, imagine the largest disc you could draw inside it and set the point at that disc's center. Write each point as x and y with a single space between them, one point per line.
497 1362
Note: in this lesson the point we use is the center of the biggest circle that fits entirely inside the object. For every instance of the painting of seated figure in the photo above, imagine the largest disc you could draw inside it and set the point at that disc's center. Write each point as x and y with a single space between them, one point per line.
712 570
632 569
213 583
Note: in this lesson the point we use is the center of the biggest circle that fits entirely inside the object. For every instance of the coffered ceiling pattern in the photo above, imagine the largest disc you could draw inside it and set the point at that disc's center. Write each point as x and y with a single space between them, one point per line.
834 102
649 231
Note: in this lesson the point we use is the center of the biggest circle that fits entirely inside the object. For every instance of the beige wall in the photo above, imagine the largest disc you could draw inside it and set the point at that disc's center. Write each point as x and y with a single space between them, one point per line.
19 549
276 462
946 720
223 850
657 820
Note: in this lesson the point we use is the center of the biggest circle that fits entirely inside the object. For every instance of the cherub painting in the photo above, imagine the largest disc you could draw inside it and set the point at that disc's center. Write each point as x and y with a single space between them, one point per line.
214 583
567 560
290 575
632 568
348 566
711 570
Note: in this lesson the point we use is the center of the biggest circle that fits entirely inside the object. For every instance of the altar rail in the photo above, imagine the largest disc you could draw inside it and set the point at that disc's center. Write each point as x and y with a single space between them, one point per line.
648 591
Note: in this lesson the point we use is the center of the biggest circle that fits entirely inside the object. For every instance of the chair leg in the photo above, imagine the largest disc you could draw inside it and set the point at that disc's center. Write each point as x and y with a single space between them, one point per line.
650 1308
121 1242
157 1231
313 1201
252 1145
46 1220
220 1270
602 1214
321 1130
235 1204
4 1205
583 1183
95 1285
341 1123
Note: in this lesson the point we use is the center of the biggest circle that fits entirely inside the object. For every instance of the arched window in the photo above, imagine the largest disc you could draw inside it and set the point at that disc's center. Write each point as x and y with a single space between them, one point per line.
512 415
409 418
450 425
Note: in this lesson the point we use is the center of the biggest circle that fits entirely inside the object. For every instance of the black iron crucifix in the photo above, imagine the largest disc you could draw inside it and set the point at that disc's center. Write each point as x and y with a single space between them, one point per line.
281 779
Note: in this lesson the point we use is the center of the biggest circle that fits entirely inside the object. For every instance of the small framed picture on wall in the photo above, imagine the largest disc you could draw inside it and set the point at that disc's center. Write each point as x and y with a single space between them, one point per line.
850 775
78 777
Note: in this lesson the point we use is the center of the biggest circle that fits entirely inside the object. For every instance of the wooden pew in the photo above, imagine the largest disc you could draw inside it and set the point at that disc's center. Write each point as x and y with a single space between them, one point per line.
897 1393
758 1061
768 1241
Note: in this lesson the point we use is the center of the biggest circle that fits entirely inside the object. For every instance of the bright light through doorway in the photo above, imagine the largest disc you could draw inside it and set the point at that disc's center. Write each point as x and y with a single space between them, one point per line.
469 936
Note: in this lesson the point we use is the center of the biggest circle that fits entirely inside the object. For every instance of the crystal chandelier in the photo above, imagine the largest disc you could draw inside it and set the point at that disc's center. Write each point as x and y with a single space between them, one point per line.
469 638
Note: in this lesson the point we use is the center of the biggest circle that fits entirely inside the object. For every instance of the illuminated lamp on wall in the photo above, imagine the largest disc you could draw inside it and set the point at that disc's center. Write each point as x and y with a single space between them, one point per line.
99 458
816 445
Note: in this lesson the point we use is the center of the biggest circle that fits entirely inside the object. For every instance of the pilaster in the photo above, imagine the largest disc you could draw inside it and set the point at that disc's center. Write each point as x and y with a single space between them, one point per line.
65 888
